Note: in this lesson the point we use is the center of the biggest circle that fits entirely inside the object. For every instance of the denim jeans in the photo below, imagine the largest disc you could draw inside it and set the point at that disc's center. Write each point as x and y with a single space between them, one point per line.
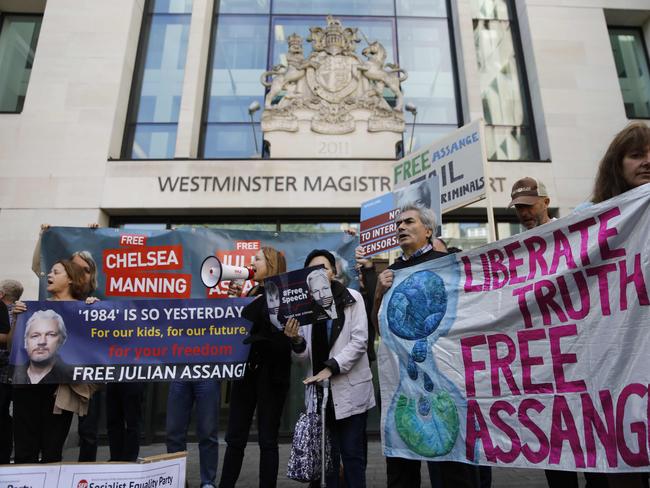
348 436
206 395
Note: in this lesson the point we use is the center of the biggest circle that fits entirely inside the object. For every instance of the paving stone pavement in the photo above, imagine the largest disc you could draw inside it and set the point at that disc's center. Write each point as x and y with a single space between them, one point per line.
375 473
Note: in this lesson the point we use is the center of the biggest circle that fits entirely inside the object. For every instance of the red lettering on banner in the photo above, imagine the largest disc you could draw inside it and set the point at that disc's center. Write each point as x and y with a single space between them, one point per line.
133 240
151 285
155 258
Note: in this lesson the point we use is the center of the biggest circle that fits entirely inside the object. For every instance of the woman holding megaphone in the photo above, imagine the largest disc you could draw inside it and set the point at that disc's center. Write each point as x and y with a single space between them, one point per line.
265 383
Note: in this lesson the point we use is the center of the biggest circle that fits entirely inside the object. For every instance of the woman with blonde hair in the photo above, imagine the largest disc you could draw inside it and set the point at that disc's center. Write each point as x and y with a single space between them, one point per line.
265 383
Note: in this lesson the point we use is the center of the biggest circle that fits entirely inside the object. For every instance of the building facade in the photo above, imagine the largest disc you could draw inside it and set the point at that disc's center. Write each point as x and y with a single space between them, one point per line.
135 112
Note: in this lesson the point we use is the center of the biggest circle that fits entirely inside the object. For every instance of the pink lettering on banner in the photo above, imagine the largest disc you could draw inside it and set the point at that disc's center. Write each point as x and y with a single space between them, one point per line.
583 291
514 263
529 453
562 416
470 365
605 233
502 363
467 266
528 361
520 293
583 228
562 249
515 444
560 359
546 303
605 431
637 278
477 430
498 271
603 286
638 429
536 256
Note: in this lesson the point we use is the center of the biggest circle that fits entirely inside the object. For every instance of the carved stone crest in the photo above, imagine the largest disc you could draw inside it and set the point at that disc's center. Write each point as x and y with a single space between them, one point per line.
333 88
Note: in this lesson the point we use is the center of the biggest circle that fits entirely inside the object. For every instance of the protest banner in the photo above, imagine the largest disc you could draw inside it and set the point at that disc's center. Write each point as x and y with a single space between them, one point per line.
458 160
528 352
377 228
31 475
304 294
138 340
166 263
166 471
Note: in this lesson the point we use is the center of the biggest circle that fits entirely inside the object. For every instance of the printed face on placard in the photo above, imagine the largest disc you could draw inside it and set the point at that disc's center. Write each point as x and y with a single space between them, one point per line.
320 288
43 340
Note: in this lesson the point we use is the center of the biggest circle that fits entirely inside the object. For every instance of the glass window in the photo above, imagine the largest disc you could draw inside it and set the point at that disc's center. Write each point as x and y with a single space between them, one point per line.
424 135
18 38
334 7
632 67
509 128
231 141
465 235
239 59
425 53
159 81
244 6
153 141
422 8
374 30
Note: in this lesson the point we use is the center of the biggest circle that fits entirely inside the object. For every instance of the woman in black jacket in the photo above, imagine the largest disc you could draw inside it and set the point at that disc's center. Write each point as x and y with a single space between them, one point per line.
264 385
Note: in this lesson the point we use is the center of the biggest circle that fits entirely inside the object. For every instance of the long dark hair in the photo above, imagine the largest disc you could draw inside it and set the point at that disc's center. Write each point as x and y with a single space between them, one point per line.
609 180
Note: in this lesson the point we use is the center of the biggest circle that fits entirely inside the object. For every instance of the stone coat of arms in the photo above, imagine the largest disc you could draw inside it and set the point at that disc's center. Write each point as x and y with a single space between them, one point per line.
333 87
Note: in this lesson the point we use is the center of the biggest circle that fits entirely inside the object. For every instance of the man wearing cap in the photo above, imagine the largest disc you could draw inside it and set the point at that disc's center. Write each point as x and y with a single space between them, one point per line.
530 199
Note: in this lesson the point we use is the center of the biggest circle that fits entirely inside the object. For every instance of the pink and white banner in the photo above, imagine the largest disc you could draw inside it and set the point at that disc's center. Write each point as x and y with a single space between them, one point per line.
533 351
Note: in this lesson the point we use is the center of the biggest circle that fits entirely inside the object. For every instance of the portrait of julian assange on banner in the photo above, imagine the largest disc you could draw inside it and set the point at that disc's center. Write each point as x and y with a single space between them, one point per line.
304 294
132 340
138 263
528 352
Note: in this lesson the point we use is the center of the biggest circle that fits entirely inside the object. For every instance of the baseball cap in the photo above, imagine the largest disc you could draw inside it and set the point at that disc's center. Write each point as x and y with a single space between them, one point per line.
526 191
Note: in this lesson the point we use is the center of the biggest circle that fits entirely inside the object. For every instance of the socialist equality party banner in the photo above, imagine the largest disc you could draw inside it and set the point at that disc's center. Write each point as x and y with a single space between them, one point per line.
166 263
377 228
143 340
529 352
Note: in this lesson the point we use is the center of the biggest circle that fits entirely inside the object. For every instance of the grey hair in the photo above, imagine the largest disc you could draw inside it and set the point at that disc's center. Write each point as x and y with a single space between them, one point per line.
427 216
47 315
12 289
90 261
